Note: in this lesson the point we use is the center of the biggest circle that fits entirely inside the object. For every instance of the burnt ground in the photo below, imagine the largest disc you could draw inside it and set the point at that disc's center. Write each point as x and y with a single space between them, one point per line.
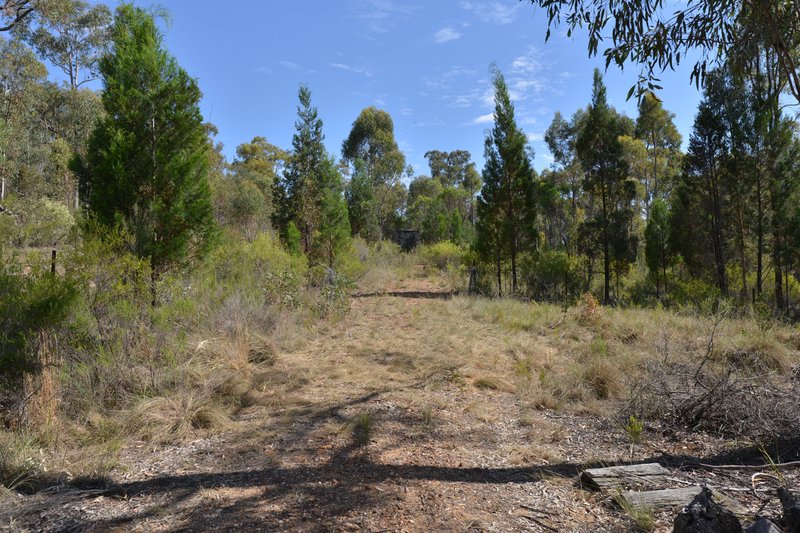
375 424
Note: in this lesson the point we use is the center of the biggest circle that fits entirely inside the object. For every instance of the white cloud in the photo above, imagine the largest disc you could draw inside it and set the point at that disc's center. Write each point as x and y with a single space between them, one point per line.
525 65
446 34
533 137
483 119
364 71
289 64
444 81
379 16
548 159
494 12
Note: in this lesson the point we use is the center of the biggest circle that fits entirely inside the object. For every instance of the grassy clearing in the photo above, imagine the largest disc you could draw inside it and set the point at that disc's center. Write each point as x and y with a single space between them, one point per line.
244 341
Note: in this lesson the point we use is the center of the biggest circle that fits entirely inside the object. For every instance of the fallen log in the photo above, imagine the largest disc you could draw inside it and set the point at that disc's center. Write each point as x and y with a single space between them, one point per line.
673 498
628 476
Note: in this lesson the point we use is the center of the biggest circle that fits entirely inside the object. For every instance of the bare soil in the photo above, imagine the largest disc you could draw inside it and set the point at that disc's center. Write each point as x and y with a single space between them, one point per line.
441 450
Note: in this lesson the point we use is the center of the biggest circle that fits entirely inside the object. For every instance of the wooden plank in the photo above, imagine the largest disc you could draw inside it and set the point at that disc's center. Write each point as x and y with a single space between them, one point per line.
614 477
675 499
661 499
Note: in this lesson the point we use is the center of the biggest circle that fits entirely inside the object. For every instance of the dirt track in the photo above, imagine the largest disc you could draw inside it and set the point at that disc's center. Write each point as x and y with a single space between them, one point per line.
439 452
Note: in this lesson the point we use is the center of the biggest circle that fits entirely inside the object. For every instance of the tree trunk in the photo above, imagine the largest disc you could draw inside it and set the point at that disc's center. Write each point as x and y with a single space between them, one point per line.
153 282
499 277
513 267
760 237
780 304
742 252
606 252
40 389
716 231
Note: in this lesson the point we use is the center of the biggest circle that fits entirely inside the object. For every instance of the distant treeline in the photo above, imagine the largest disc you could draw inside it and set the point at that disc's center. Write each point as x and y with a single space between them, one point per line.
622 212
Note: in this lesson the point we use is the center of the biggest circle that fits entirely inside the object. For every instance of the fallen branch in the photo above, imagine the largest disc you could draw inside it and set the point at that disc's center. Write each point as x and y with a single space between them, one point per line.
745 467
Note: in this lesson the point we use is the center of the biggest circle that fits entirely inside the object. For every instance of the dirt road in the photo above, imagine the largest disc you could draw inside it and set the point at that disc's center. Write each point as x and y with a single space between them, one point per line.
403 416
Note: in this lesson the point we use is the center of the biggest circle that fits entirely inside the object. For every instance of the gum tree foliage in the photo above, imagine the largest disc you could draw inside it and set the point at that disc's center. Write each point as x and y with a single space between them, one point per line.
376 193
243 193
14 12
655 127
657 36
566 174
147 163
71 34
457 174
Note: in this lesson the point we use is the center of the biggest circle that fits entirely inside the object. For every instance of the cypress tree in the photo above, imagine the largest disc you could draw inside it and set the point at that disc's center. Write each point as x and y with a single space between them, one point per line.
601 155
298 194
147 162
507 194
334 225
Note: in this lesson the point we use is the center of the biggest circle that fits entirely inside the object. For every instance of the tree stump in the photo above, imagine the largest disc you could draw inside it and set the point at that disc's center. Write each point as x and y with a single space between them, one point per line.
40 392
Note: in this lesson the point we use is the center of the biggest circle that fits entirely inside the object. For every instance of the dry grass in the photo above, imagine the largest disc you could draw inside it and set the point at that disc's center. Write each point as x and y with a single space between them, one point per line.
586 359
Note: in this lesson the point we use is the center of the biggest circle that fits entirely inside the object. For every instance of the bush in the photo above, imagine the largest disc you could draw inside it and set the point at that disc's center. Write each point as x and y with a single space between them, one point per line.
442 255
40 222
550 275
30 304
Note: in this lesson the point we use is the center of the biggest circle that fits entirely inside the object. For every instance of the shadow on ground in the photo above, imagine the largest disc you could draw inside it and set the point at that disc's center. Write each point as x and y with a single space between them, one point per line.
302 497
429 295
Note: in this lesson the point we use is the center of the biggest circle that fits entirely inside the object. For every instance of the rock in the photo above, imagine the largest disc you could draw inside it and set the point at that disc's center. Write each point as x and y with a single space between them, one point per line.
703 515
791 510
762 525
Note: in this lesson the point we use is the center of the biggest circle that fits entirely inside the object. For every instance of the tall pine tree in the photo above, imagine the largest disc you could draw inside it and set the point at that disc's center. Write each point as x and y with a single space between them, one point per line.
507 196
147 162
602 157
298 194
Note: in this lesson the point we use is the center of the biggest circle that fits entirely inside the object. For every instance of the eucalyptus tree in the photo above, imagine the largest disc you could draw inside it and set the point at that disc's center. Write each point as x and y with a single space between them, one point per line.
376 192
645 34
70 34
655 127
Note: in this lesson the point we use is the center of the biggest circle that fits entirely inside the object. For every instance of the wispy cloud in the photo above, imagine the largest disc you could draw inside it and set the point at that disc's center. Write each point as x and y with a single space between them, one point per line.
446 34
527 76
379 16
526 64
483 96
533 137
444 81
483 119
494 12
364 71
289 64
547 158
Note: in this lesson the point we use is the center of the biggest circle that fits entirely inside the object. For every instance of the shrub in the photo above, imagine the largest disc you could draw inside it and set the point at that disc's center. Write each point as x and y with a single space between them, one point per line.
40 222
334 297
634 428
550 275
30 303
362 426
441 255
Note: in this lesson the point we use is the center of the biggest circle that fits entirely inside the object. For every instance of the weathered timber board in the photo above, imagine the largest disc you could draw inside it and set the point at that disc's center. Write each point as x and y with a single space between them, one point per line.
674 499
614 477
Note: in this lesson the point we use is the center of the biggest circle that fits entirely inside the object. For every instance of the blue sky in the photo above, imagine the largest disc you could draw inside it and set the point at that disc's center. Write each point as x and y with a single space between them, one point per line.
426 62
